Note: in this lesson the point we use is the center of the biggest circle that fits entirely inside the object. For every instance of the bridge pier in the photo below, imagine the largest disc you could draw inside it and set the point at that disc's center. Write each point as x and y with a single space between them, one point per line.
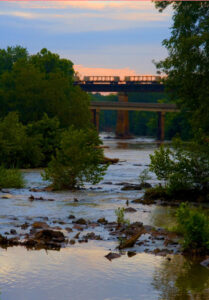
95 118
161 126
122 125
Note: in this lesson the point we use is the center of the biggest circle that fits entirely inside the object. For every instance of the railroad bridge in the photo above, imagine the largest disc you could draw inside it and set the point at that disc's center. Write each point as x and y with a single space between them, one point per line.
123 86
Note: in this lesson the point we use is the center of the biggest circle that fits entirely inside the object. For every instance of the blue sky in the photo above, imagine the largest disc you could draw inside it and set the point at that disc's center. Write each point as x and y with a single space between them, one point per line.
93 34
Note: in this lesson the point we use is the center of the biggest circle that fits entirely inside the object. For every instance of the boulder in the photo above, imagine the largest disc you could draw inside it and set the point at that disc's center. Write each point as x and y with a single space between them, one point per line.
47 235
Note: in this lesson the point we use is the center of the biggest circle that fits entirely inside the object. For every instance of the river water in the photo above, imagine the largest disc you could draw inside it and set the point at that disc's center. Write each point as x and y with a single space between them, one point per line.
81 271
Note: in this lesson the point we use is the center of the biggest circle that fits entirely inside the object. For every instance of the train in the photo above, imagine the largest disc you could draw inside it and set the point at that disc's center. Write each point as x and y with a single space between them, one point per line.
118 79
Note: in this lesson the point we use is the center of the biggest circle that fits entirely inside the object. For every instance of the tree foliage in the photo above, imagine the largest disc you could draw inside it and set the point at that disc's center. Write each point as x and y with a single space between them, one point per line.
183 167
17 149
38 84
11 178
193 224
187 64
78 159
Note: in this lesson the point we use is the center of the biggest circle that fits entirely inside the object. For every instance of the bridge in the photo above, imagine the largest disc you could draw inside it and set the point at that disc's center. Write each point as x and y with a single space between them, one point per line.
128 84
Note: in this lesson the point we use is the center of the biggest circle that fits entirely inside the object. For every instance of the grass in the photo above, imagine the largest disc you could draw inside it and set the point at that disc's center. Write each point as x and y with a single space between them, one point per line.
11 178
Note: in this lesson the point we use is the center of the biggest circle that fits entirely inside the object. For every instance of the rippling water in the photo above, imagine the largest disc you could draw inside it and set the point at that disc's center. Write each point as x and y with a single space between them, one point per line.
81 271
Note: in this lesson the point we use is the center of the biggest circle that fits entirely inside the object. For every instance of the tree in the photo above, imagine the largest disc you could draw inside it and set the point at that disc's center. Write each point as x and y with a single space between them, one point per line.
17 149
187 64
78 159
47 131
42 83
9 56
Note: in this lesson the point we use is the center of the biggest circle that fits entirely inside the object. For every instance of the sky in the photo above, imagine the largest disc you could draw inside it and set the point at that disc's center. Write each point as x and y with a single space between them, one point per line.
99 37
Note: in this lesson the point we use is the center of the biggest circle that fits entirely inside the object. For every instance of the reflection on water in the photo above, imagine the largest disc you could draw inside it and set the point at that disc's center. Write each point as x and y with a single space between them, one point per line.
81 271
181 278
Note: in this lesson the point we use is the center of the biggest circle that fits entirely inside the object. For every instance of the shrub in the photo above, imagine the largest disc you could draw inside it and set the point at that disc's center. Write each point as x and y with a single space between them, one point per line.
193 224
78 159
184 167
11 178
144 176
119 212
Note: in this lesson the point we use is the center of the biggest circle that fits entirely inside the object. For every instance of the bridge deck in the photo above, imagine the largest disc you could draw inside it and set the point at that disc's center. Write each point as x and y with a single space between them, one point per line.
131 87
134 106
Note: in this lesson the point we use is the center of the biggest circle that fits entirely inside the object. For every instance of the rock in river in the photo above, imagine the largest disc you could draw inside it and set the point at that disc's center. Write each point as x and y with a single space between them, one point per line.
112 255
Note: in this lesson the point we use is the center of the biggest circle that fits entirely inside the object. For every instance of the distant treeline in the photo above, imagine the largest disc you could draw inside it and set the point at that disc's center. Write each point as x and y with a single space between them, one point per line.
145 123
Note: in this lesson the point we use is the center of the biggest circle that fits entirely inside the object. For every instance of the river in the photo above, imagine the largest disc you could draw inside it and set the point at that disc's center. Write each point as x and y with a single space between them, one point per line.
81 271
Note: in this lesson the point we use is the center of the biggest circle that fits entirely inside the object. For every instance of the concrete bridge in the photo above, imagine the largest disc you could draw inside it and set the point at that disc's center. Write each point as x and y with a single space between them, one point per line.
122 127
129 84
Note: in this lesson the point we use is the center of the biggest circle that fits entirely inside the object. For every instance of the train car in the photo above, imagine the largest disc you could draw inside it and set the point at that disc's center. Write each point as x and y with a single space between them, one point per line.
142 79
101 79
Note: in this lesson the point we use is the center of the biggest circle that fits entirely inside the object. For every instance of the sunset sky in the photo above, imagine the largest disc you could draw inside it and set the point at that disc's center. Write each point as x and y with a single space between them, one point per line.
100 37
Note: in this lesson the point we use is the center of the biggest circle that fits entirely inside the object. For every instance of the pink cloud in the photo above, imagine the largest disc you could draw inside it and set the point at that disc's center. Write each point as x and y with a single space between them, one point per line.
88 71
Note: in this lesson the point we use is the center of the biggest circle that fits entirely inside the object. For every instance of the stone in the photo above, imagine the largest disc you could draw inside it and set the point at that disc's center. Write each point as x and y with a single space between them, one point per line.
131 253
78 227
38 225
131 187
24 226
81 221
92 236
13 231
71 217
50 235
77 235
112 255
72 242
130 210
130 242
102 221
68 229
